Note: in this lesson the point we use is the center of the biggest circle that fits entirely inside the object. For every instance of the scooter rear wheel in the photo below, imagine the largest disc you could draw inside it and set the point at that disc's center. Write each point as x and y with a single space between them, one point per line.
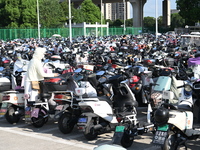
10 115
65 123
40 120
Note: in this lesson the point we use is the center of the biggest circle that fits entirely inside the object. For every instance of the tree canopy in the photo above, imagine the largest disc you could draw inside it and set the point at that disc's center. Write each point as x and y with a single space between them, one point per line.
90 12
52 13
189 10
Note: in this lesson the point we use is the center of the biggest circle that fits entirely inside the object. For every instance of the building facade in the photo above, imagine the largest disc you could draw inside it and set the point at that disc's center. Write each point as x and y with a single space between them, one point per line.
115 11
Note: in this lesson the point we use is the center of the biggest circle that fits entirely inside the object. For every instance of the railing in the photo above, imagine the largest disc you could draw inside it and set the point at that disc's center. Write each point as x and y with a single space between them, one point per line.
10 34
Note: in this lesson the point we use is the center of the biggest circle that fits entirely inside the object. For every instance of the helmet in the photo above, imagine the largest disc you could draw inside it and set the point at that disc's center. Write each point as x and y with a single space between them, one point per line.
161 116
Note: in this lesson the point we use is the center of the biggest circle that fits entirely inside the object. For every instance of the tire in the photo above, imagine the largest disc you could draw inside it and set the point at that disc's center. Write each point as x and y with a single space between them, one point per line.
41 120
126 140
90 133
171 143
65 123
10 115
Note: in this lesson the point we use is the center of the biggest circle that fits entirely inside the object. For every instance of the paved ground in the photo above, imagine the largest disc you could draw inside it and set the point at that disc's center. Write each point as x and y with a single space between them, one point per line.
22 136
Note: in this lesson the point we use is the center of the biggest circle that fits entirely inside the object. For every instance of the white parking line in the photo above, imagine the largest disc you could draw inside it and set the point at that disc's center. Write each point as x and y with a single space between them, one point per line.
56 140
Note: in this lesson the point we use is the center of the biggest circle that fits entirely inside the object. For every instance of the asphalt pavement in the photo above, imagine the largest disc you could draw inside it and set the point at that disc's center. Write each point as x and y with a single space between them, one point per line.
23 136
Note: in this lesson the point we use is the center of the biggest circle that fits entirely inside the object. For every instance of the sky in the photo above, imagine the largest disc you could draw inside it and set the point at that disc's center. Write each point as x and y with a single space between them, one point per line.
150 5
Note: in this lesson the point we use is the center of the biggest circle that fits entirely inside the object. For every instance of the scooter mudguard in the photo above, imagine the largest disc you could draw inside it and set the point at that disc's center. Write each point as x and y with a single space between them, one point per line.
161 135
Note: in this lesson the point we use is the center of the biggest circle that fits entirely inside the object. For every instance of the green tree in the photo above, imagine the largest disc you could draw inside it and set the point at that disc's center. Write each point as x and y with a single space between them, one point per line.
129 22
149 22
110 22
189 10
28 13
9 13
51 13
177 21
75 13
118 23
90 12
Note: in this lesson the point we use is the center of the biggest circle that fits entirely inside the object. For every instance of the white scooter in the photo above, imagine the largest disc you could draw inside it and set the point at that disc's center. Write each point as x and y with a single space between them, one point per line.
100 115
175 124
13 100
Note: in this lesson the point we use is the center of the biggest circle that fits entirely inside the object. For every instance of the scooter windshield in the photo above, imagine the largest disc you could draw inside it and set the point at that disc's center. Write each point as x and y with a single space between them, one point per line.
163 84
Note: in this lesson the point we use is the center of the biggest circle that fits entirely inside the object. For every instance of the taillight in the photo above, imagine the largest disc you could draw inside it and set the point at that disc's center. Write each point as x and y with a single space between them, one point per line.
6 98
53 80
59 96
6 61
86 109
119 119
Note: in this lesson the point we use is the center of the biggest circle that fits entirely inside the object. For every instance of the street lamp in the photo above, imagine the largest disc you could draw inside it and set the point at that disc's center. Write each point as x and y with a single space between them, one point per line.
70 22
156 20
38 17
101 18
124 15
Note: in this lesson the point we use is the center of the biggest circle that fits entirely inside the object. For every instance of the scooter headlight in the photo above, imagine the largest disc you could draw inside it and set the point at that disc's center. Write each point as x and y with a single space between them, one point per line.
188 88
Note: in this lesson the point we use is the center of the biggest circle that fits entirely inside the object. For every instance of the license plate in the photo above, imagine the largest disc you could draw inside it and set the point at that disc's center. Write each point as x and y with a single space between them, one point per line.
82 120
160 135
59 107
119 128
3 109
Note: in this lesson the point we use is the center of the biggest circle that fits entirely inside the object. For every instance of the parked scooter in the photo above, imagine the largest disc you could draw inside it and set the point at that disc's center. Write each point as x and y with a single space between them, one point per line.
38 112
13 100
175 124
94 121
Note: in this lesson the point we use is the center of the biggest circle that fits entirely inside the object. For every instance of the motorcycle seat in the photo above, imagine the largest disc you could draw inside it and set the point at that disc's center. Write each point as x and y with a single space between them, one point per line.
45 95
184 107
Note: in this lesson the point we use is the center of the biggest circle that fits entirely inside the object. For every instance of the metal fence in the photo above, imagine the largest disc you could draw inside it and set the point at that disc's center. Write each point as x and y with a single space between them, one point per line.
10 34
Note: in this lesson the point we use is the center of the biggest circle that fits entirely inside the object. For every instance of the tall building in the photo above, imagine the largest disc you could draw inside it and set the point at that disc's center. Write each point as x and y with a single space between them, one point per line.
115 11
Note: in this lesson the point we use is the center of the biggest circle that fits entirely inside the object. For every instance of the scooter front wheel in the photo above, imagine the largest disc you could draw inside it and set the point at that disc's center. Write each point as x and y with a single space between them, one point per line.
65 123
126 140
90 133
10 115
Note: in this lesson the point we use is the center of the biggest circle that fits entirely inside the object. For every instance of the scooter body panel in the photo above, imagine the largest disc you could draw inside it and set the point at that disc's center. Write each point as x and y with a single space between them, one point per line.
15 98
102 109
181 119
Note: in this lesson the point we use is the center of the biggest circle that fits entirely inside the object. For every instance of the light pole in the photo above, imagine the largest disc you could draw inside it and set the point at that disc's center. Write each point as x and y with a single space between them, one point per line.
70 22
156 20
124 16
101 18
38 17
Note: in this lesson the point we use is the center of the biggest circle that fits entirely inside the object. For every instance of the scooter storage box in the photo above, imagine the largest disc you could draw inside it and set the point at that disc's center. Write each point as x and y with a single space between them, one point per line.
4 84
55 83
